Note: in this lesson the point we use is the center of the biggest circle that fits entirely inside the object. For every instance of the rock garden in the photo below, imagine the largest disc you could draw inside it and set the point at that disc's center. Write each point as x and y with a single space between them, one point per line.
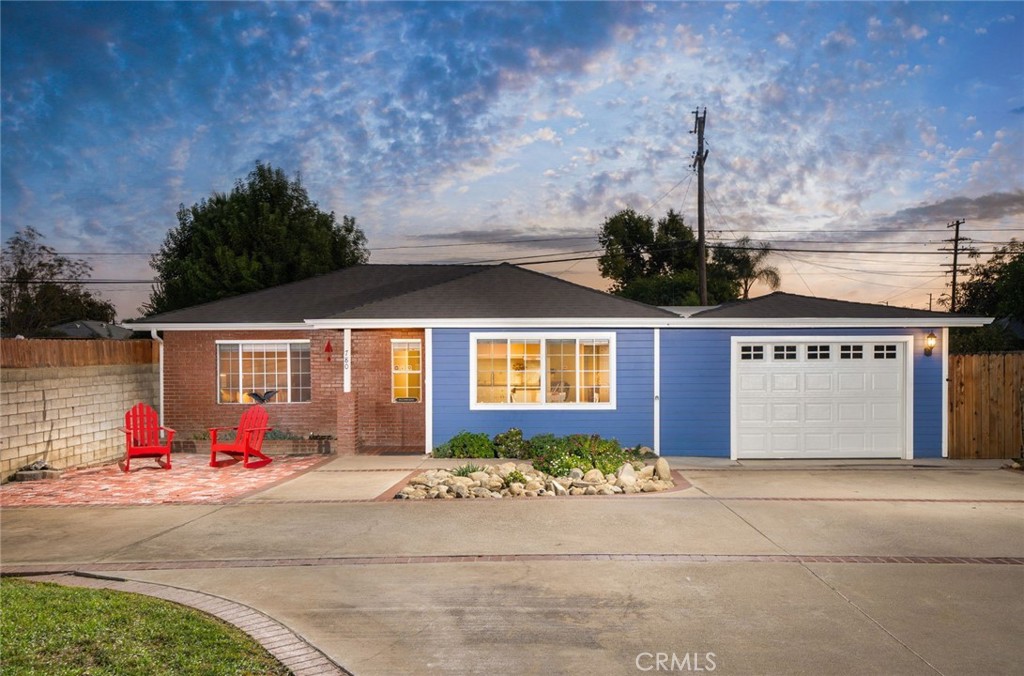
559 466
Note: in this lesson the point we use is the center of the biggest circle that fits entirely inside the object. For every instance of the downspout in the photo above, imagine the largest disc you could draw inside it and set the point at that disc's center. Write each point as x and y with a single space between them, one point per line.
160 343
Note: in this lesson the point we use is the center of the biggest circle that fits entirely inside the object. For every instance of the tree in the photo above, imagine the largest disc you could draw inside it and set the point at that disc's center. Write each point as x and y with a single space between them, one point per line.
994 288
41 288
747 263
264 233
656 263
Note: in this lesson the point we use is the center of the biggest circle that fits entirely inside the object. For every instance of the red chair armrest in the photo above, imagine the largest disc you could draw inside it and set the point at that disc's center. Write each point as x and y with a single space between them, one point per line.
214 430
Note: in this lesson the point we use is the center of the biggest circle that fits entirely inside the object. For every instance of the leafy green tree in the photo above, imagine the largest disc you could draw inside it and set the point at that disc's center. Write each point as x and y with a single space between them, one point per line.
656 263
994 288
747 263
266 232
40 288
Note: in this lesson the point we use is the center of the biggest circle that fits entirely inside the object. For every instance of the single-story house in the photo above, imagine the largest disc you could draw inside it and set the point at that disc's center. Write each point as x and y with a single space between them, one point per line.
90 328
409 355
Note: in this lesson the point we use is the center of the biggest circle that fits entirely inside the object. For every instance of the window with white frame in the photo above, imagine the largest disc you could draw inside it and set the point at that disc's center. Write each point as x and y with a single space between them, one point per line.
543 371
818 352
885 351
406 370
245 367
752 352
784 352
851 351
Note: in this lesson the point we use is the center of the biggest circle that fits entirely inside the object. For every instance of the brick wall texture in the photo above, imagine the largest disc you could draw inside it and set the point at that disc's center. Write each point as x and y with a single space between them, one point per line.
68 416
363 418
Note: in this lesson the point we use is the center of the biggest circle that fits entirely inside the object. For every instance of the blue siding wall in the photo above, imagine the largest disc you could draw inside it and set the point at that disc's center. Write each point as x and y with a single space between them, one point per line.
695 388
695 392
632 421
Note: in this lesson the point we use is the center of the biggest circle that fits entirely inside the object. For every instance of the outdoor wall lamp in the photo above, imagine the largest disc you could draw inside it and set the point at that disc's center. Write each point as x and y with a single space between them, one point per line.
930 341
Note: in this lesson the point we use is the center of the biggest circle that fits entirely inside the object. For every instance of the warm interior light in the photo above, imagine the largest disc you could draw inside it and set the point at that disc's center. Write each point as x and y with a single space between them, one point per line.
930 341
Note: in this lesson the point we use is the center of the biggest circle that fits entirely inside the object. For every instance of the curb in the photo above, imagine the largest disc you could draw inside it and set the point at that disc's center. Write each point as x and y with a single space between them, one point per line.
286 646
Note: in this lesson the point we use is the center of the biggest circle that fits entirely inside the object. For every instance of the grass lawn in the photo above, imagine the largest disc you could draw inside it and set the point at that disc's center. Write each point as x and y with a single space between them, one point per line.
51 629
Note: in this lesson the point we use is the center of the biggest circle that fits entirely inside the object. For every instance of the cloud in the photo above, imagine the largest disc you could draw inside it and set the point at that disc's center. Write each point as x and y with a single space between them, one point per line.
838 41
987 208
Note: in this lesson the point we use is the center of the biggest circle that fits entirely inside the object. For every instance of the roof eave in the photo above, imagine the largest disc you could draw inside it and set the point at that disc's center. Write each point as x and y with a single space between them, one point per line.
581 322
216 326
494 322
938 321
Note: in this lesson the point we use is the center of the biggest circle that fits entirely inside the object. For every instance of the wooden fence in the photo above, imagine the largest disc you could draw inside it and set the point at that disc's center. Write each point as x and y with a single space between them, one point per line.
33 353
985 401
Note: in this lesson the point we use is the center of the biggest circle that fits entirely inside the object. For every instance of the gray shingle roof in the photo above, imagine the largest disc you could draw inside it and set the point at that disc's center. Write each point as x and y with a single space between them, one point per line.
414 292
780 305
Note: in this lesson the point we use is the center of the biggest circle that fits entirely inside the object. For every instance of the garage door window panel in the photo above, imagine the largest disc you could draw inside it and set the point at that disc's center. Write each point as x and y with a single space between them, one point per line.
784 353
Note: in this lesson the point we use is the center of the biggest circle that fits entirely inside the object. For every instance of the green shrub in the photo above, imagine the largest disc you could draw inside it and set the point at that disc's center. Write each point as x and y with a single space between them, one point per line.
512 445
560 463
466 445
547 444
515 477
467 469
581 451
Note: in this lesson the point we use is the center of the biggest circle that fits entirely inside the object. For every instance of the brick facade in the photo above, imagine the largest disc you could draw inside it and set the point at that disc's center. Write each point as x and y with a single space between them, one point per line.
382 422
364 417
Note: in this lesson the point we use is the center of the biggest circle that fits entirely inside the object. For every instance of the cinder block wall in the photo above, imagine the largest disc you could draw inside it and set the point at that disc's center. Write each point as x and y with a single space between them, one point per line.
68 416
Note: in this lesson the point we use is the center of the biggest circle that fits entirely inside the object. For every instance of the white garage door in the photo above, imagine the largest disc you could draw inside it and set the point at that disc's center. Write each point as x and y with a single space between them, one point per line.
820 398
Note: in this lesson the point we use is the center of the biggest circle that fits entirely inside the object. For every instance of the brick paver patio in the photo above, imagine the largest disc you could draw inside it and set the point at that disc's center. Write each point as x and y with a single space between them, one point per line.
190 481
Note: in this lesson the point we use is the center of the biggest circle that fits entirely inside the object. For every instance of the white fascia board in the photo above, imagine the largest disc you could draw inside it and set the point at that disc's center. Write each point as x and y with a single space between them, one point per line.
221 326
577 322
493 323
833 323
649 323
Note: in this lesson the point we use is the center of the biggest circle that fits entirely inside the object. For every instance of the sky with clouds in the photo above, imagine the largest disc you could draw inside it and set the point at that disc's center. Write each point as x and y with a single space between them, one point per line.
845 134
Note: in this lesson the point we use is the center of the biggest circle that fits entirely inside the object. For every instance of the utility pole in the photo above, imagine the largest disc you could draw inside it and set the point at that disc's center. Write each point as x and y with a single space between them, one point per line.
956 242
698 164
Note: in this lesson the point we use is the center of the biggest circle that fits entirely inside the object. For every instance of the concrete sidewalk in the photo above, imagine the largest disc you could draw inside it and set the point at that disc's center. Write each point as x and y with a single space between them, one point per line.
926 563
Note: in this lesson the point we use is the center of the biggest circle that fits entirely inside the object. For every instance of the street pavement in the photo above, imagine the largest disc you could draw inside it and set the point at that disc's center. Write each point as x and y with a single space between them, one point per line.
781 568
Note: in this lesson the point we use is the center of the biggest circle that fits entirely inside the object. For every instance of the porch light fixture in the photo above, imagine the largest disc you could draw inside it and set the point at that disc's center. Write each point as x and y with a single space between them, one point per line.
930 341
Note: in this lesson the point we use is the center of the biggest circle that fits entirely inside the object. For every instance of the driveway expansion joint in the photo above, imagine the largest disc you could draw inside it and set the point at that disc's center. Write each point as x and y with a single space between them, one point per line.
102 570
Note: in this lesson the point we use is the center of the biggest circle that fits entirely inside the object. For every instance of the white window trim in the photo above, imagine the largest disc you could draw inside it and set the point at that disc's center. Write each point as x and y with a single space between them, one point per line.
419 342
288 373
543 337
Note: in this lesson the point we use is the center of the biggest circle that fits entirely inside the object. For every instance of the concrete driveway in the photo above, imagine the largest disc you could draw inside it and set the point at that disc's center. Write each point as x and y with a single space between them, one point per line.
872 569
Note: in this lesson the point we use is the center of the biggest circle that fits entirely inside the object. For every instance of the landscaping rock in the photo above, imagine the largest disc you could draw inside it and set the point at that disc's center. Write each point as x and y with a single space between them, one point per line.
575 473
626 475
662 470
489 482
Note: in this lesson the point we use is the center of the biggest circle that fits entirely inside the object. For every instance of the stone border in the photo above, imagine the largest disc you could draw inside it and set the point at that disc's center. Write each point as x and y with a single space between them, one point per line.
287 647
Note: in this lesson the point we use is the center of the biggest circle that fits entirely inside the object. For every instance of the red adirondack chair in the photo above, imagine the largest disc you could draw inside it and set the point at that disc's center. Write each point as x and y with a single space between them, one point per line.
142 435
248 440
